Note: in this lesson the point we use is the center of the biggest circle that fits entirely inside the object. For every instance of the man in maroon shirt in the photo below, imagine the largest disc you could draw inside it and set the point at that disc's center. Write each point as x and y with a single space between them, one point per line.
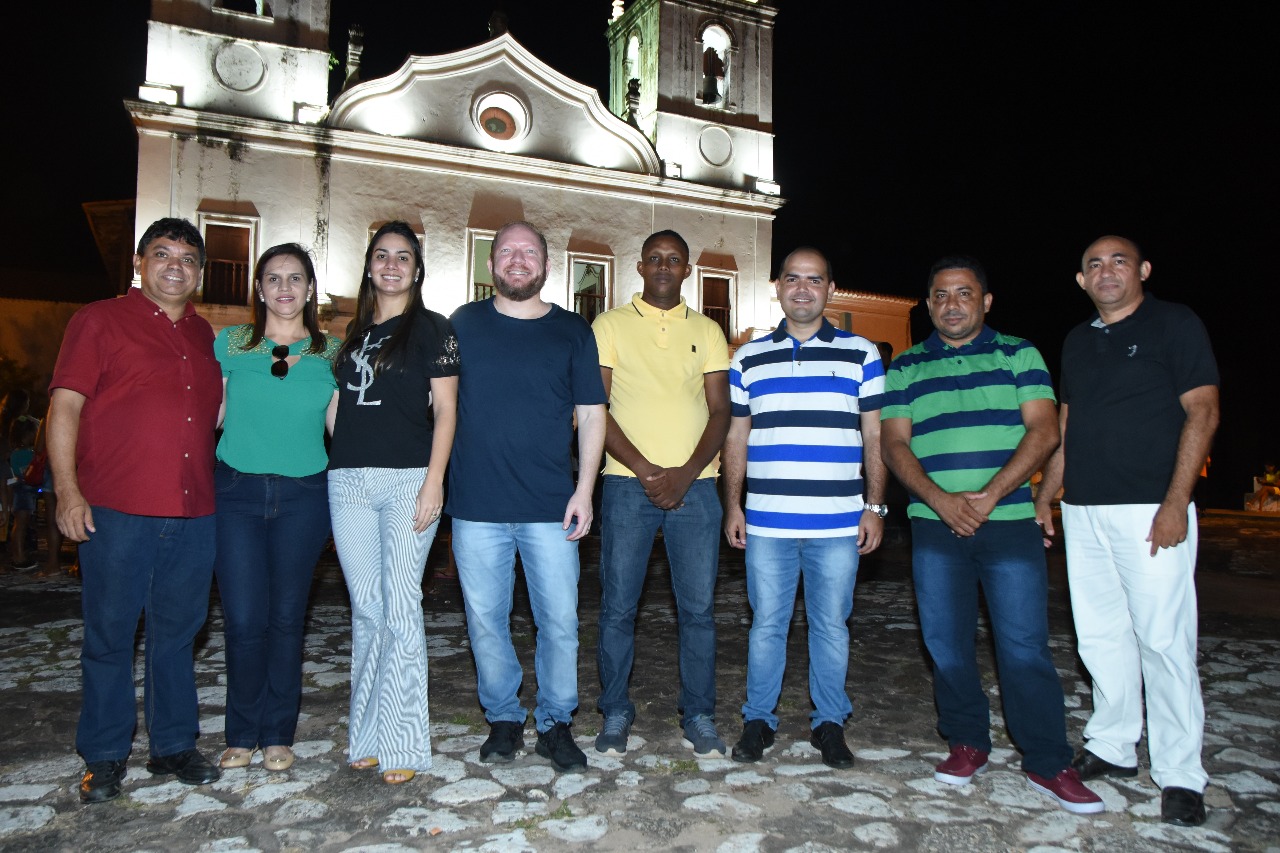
134 403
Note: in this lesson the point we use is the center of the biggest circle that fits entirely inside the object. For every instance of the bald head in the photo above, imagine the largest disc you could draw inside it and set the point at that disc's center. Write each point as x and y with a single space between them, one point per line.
805 250
1109 241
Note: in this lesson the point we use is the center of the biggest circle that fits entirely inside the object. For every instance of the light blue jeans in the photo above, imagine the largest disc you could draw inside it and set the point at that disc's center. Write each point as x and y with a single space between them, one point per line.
774 568
485 553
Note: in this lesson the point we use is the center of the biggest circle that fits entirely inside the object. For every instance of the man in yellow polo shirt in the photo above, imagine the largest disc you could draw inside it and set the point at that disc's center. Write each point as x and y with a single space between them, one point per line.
666 371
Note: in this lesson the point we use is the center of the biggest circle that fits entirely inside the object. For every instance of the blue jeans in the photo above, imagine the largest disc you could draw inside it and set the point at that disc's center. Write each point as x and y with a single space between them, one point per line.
485 553
270 532
774 568
1005 559
131 564
692 538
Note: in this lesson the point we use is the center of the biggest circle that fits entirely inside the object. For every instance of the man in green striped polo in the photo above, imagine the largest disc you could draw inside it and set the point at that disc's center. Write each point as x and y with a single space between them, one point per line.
968 416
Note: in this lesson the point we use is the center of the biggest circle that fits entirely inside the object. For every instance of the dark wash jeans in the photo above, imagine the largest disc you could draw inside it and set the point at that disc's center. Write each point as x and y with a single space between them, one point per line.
271 529
692 538
131 564
1006 559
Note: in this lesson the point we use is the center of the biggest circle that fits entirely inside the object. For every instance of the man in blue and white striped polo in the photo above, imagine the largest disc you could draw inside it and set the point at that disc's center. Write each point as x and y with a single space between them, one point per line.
805 439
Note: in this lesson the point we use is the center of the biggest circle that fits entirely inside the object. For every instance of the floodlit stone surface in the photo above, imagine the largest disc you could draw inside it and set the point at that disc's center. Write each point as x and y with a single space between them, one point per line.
657 796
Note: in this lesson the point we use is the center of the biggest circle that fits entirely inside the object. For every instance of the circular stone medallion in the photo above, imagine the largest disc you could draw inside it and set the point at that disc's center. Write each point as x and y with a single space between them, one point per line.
239 67
715 145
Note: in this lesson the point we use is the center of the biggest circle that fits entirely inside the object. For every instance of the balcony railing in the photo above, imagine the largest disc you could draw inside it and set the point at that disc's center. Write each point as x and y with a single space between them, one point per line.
721 317
226 283
589 305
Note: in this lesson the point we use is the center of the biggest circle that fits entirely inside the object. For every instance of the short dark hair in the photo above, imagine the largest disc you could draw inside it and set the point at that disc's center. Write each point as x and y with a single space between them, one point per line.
658 235
957 262
811 250
519 223
173 228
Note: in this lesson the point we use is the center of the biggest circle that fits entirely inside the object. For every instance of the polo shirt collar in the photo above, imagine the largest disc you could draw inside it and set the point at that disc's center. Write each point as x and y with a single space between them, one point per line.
644 309
141 303
1138 313
826 332
935 342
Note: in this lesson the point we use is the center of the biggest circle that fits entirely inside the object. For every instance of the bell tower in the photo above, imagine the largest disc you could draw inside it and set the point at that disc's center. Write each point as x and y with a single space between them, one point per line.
696 77
264 59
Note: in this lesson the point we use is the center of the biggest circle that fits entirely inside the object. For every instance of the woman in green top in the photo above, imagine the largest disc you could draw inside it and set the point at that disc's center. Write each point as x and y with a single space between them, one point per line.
280 397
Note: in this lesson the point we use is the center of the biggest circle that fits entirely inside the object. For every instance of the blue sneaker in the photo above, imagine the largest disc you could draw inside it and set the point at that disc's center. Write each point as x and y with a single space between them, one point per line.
701 736
612 739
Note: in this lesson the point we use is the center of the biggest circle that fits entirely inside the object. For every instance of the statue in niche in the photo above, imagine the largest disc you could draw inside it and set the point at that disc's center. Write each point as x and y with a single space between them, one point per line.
633 102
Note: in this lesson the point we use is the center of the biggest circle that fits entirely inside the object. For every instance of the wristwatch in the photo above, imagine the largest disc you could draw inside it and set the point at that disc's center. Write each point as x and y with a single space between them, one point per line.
881 510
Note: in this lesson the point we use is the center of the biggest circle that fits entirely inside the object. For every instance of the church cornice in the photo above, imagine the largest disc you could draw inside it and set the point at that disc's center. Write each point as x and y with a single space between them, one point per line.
241 136
426 86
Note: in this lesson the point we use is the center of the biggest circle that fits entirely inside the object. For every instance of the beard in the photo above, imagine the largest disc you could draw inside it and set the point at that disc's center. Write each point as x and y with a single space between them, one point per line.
518 293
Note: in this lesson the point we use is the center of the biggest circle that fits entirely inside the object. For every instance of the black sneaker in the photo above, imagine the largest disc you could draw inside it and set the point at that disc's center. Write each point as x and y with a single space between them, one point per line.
101 781
556 743
504 739
829 737
757 738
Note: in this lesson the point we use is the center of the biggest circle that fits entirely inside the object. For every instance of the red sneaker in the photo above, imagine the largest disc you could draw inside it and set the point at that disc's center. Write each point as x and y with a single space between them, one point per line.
961 765
1068 790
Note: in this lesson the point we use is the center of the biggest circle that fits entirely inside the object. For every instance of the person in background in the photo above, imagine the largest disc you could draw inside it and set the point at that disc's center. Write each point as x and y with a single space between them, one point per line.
22 441
53 557
14 405
280 396
397 409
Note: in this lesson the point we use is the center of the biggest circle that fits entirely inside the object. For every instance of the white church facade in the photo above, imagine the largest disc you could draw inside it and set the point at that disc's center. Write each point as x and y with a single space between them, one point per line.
236 132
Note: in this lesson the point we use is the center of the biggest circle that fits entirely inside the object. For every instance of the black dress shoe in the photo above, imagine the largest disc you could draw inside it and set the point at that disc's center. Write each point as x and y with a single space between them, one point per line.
1182 807
101 781
190 767
1090 766
756 738
829 737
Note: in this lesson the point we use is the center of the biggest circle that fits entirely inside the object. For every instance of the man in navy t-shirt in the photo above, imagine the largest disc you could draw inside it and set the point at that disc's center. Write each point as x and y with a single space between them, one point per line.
530 370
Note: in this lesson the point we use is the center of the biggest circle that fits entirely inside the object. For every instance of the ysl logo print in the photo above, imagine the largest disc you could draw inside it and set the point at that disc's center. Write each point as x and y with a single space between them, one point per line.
362 361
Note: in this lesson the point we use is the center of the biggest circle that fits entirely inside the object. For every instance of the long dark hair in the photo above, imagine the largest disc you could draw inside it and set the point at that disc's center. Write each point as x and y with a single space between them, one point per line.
389 354
310 315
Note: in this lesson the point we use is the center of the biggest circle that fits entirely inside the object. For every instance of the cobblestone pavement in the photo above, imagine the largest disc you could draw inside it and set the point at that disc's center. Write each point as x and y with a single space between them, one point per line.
657 796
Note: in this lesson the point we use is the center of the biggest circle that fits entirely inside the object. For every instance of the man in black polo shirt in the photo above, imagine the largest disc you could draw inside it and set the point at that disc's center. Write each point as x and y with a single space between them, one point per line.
1141 386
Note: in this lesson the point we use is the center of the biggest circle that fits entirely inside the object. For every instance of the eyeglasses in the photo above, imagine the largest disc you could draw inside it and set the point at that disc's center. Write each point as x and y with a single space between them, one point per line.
280 368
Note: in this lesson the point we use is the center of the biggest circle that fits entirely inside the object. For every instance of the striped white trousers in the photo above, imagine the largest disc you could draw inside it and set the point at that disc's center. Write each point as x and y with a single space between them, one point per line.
382 562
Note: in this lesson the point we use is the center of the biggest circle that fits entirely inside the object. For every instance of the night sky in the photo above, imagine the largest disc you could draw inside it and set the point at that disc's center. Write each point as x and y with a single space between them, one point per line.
1016 132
